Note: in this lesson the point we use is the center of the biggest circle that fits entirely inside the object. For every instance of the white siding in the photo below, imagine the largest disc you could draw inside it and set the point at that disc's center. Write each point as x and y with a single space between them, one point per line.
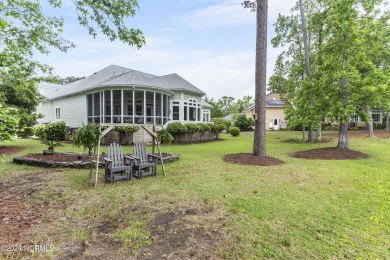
73 110
45 109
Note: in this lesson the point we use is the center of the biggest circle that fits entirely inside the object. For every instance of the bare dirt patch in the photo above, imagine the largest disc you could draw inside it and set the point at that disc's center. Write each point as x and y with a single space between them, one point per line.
7 150
330 153
185 233
363 134
250 159
59 157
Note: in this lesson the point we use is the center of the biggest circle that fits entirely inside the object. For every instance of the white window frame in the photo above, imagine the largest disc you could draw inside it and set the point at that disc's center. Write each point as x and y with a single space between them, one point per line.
57 115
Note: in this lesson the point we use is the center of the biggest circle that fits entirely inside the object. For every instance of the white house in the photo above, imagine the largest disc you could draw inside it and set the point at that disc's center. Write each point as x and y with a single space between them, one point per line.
120 95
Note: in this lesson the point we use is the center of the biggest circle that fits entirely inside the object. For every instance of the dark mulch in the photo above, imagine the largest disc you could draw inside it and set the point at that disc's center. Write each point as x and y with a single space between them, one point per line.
60 157
330 153
249 159
7 150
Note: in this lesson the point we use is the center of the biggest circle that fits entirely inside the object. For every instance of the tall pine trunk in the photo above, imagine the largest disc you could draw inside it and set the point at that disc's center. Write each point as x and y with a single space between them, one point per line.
261 80
370 122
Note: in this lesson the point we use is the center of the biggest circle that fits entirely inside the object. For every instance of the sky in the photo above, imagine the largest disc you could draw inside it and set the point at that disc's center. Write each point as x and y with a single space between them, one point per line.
210 43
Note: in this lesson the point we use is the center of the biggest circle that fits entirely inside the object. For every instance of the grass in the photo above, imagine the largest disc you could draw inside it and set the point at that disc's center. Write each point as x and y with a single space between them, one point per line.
301 209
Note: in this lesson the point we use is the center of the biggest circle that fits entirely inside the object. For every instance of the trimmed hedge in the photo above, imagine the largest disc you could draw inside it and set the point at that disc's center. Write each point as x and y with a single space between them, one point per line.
234 131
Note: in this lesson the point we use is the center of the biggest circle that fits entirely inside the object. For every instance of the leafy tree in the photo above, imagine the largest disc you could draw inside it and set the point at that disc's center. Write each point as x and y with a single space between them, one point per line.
8 123
54 133
216 109
244 103
88 137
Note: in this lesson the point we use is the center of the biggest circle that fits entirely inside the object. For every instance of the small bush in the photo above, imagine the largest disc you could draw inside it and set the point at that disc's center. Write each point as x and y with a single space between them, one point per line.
192 129
176 128
54 133
203 128
243 122
39 131
88 137
26 132
234 131
165 137
216 129
126 132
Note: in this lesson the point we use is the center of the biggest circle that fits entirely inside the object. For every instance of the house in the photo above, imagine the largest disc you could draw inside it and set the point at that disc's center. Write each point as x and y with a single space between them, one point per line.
274 115
120 95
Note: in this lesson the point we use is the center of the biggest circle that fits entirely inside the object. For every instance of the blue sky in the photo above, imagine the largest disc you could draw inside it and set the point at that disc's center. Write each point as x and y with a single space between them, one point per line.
211 43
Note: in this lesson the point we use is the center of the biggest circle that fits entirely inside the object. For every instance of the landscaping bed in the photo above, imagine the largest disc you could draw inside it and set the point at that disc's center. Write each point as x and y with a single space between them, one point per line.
250 159
7 150
59 160
330 153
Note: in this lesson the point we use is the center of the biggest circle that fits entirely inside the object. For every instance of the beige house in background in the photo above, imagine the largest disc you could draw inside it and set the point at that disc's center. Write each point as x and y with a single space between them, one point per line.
274 116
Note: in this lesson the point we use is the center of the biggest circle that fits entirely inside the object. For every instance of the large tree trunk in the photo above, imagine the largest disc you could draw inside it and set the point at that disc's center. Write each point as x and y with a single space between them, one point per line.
307 64
343 135
370 122
261 80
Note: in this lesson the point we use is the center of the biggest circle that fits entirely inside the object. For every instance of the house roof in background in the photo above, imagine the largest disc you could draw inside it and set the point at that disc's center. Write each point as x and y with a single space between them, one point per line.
114 75
272 100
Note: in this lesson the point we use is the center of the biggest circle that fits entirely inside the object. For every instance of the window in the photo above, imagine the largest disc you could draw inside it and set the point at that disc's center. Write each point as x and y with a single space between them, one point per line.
58 113
176 112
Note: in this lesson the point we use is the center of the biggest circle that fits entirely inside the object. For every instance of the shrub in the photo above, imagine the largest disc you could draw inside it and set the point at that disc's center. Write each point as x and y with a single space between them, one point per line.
126 131
26 132
39 131
222 121
203 128
243 122
8 123
216 129
176 128
234 131
165 137
87 136
54 133
192 129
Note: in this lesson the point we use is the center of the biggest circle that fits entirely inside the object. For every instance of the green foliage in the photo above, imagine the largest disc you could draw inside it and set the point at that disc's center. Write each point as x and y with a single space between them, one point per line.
39 131
176 128
87 136
8 123
216 129
26 131
221 121
203 128
126 131
54 133
26 30
165 137
243 122
234 131
192 129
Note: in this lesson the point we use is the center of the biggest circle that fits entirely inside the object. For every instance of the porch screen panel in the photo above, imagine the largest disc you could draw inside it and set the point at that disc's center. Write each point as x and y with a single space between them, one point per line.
117 108
107 106
166 109
159 108
89 108
149 107
96 107
128 106
139 107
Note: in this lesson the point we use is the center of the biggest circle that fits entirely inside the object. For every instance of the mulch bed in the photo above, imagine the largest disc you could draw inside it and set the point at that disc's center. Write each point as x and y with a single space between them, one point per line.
330 153
59 157
249 159
7 150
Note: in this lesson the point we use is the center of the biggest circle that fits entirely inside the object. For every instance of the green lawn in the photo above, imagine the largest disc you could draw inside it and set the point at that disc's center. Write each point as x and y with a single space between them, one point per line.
302 209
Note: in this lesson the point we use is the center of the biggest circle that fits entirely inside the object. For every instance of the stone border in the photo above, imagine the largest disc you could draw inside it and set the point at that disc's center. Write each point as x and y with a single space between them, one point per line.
75 164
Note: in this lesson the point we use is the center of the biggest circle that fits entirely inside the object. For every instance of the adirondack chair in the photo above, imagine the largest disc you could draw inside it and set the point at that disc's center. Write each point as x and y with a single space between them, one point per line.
116 165
145 163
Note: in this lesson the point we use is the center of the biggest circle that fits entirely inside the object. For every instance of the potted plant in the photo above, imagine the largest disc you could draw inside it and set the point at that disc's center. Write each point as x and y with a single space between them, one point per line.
88 137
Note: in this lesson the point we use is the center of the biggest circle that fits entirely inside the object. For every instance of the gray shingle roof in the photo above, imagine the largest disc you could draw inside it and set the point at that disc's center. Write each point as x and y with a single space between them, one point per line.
175 82
119 76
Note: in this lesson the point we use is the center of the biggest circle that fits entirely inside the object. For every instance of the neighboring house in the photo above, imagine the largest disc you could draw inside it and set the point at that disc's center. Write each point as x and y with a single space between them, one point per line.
274 115
120 95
